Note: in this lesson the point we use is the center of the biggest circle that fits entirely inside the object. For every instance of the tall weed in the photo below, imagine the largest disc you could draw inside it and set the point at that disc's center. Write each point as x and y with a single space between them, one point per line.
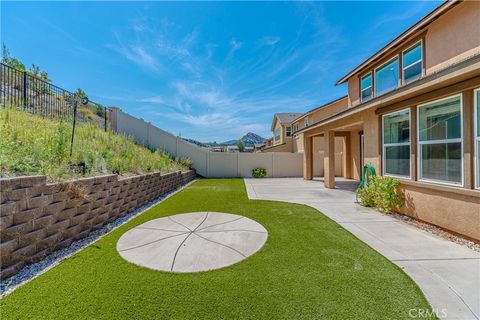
31 144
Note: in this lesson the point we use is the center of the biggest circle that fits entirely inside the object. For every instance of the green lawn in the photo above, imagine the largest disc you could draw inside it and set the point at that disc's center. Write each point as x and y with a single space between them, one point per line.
309 268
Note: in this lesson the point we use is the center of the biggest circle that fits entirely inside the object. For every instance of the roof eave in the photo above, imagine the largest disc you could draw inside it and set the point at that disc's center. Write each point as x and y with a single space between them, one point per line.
448 4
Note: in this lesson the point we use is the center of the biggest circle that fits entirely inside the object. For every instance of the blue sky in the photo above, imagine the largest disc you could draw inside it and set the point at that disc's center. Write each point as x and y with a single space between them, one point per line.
211 71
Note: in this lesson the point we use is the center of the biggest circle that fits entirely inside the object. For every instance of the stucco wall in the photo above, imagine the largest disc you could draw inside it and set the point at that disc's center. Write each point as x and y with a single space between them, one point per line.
453 37
355 153
452 211
372 136
287 146
328 110
353 91
323 112
297 142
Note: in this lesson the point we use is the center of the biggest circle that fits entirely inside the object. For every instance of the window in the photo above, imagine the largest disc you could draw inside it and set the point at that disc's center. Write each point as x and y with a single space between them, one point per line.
386 77
396 144
366 87
440 140
305 122
288 131
276 134
295 127
477 136
412 63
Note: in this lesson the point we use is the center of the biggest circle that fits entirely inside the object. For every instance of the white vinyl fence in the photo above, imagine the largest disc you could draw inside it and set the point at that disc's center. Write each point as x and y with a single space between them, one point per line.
215 164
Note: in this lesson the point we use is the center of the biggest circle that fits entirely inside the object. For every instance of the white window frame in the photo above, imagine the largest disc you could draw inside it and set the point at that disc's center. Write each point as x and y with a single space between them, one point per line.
476 138
421 61
420 143
305 122
409 143
380 67
363 89
287 129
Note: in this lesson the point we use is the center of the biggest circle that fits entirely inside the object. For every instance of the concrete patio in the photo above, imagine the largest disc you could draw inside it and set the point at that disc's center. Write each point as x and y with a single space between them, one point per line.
447 273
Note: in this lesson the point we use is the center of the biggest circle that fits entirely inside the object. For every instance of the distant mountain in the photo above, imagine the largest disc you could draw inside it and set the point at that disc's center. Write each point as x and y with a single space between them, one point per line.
228 143
249 140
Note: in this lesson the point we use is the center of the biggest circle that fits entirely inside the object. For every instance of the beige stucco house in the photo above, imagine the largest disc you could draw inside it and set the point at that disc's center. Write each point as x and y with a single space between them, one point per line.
281 132
413 111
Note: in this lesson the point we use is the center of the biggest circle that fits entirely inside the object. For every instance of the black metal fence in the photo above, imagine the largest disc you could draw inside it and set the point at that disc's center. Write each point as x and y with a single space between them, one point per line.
22 90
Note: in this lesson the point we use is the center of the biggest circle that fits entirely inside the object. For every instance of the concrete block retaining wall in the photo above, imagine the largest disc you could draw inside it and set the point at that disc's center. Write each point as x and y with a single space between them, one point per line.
37 218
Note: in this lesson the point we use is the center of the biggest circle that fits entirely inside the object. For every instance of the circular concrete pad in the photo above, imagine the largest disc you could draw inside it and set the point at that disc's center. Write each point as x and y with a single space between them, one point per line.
192 242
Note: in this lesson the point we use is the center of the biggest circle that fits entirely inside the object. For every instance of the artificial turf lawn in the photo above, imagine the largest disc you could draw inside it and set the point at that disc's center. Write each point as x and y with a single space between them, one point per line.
309 268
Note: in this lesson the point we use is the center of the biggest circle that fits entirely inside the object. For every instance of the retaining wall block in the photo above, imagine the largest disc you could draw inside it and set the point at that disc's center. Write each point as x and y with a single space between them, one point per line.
37 218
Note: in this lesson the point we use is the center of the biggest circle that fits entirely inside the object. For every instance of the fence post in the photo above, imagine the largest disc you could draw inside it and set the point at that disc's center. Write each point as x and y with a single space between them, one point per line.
105 113
74 122
25 104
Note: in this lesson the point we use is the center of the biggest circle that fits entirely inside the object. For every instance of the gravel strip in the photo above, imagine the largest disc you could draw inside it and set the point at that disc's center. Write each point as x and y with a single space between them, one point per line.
31 271
437 231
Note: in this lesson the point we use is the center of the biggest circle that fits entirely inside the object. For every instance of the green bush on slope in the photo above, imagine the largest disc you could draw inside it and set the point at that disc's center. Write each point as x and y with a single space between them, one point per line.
31 144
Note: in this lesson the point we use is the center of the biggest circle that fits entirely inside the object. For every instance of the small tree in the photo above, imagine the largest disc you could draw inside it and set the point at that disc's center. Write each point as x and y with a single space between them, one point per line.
36 72
81 94
11 61
241 146
17 64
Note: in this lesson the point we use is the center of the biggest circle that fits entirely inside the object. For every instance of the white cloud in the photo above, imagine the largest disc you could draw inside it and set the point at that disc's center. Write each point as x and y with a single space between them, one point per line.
136 53
234 46
269 41
155 99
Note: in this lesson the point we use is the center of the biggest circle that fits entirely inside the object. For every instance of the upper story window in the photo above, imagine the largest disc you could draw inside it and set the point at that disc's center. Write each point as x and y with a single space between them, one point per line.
396 144
305 122
295 127
366 87
412 62
386 77
440 140
288 131
276 134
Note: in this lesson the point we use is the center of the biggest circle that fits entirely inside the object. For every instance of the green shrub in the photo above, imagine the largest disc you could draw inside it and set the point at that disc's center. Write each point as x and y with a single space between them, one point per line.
382 193
87 112
259 173
187 162
31 144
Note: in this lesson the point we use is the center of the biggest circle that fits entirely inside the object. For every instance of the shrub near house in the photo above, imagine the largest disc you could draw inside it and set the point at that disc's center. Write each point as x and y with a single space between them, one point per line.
382 193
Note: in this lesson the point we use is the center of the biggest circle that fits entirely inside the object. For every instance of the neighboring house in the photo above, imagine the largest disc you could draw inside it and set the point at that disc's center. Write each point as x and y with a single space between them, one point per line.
232 149
413 111
282 132
258 147
293 141
313 116
218 148
268 143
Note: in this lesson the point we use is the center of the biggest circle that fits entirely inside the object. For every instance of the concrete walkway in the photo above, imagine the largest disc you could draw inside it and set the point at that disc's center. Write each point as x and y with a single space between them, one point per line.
447 273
